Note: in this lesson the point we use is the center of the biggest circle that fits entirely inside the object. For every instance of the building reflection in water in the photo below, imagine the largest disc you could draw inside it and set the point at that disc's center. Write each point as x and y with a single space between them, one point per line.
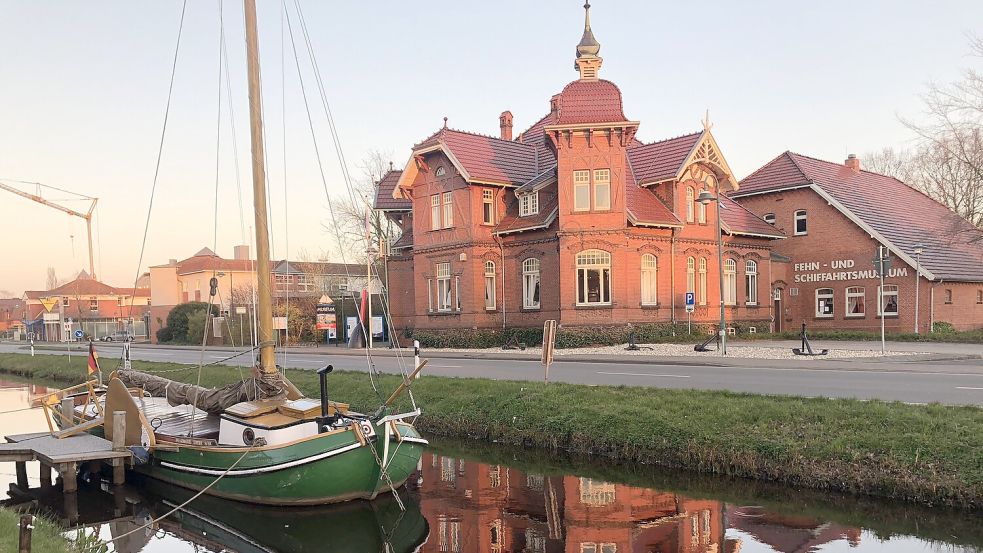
474 507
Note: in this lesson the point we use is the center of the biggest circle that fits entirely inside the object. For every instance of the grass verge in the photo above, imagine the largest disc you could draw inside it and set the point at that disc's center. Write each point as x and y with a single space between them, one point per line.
925 453
46 537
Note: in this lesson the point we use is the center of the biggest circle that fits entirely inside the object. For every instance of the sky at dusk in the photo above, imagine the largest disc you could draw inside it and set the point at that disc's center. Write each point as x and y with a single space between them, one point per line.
84 86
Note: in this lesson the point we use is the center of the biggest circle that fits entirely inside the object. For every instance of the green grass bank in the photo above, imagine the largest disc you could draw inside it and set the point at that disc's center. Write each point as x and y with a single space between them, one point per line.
930 454
46 537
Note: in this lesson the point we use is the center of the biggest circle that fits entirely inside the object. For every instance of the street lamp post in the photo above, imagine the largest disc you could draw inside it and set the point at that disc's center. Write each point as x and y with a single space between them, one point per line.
705 198
919 249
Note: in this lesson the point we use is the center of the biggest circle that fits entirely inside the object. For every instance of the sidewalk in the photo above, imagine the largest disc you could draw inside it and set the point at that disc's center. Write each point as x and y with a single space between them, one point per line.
910 355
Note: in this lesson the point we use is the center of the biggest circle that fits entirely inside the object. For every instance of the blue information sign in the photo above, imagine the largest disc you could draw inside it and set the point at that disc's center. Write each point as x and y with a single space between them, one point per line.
690 298
79 333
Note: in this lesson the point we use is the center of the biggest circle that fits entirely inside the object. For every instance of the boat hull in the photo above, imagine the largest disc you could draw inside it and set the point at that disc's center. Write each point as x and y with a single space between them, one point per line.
328 468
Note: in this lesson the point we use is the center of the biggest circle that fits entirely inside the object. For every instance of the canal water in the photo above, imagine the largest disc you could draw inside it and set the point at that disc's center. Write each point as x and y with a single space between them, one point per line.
470 497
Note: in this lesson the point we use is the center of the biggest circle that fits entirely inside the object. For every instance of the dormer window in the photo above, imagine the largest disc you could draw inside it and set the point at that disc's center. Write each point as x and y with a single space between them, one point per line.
440 171
528 204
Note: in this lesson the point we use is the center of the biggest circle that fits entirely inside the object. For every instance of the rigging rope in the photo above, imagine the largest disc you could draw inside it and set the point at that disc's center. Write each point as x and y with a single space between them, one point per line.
160 149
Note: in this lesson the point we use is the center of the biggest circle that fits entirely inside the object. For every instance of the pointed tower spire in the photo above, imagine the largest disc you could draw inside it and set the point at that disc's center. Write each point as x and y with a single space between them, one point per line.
588 62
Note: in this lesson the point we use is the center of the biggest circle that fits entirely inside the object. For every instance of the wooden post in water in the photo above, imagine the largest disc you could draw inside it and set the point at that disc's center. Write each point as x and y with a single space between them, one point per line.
264 297
119 444
26 526
68 411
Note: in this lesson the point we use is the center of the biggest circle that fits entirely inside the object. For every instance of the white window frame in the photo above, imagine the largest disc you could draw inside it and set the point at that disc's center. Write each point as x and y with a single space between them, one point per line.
691 274
852 293
702 299
443 287
947 296
650 279
490 290
750 282
690 204
531 283
701 213
529 204
487 207
590 261
448 201
429 294
581 184
440 171
890 290
93 304
602 189
457 292
826 296
769 218
800 215
435 212
730 281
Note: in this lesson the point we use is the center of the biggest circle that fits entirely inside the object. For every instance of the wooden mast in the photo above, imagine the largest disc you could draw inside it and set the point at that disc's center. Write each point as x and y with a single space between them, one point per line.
264 297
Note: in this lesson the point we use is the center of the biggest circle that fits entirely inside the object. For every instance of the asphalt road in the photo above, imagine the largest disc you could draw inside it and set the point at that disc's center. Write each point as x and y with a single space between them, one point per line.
954 381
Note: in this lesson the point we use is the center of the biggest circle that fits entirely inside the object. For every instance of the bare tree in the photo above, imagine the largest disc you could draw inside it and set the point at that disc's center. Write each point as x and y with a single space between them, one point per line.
355 214
51 281
950 157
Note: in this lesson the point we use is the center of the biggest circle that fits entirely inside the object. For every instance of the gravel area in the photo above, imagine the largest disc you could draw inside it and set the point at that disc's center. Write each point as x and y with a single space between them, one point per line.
686 350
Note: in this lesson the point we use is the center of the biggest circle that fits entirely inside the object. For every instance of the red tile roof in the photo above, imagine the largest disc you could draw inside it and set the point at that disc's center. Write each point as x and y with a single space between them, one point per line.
738 219
548 210
645 208
206 260
661 160
405 241
86 286
538 181
384 194
590 102
902 215
536 134
486 158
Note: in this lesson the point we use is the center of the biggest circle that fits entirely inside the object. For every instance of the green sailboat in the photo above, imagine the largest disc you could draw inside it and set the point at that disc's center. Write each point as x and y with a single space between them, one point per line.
259 441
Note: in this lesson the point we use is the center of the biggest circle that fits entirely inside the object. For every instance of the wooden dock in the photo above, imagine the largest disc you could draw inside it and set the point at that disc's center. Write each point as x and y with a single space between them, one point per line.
64 454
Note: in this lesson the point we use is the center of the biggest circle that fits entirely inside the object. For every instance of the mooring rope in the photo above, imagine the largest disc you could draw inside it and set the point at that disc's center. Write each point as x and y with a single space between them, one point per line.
181 506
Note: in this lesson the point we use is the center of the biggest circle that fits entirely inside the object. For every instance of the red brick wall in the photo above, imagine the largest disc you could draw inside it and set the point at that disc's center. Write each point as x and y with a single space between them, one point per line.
832 237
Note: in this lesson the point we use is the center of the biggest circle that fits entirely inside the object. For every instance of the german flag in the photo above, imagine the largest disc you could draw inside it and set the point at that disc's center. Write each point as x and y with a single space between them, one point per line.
93 360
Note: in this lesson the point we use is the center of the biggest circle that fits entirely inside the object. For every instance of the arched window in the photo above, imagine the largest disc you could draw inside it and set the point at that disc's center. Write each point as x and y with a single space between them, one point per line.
690 274
730 282
440 171
855 302
769 218
489 285
801 224
689 204
650 265
702 298
530 283
593 277
751 282
701 213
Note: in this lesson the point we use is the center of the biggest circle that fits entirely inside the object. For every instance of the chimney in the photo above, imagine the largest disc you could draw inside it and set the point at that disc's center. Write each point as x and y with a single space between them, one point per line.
240 252
555 103
852 162
505 125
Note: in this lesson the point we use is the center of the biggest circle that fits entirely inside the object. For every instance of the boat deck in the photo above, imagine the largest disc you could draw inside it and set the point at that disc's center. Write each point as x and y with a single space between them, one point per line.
174 420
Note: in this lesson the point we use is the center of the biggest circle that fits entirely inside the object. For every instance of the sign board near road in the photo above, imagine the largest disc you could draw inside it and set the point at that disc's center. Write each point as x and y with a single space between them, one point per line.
49 303
79 333
549 345
326 320
690 301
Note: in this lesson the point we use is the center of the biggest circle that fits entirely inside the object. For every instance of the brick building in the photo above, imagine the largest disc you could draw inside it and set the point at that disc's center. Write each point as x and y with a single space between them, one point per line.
86 304
835 216
574 219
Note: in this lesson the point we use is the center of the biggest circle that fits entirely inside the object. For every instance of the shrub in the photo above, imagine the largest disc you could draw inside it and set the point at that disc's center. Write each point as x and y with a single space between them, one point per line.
177 319
165 334
943 327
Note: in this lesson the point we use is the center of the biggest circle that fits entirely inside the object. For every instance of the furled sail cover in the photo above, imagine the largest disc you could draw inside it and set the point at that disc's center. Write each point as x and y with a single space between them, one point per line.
210 400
